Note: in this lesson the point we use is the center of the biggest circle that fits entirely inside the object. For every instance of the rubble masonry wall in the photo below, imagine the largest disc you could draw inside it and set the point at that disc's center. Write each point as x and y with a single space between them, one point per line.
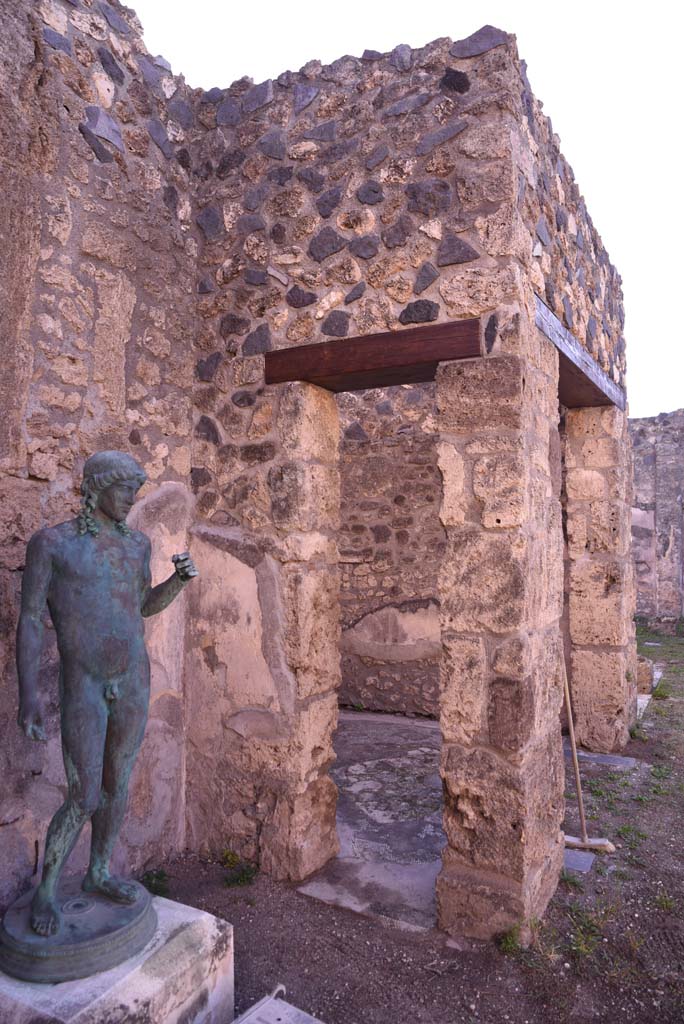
657 518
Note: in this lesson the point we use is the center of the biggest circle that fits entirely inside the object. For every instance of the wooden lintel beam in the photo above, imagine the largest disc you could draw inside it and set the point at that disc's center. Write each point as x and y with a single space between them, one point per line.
582 382
409 356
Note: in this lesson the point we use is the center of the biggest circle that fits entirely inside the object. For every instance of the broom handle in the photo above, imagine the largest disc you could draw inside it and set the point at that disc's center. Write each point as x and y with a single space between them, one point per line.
573 745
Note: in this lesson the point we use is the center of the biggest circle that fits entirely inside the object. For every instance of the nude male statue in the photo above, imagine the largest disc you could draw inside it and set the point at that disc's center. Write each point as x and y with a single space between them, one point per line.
93 573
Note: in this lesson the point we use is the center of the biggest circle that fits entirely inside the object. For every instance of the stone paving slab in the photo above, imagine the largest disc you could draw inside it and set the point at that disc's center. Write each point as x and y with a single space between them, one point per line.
389 820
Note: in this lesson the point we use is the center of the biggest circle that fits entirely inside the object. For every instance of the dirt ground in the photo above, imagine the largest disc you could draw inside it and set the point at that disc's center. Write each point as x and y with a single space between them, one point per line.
610 947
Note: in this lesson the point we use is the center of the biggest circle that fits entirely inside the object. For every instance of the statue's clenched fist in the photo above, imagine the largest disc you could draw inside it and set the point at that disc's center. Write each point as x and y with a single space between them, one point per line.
185 567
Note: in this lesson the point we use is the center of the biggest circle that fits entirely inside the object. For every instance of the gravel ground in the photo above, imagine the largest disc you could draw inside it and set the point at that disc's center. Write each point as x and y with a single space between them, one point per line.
610 948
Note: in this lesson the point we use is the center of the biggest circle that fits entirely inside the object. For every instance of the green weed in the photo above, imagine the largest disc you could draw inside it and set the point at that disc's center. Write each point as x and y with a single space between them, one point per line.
509 942
229 859
664 902
631 835
242 874
156 881
570 879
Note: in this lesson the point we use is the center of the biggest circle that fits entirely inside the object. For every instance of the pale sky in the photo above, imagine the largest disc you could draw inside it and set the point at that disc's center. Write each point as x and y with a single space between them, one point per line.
609 75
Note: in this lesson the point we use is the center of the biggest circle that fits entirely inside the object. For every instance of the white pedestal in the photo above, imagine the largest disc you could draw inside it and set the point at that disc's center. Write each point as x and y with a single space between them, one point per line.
185 974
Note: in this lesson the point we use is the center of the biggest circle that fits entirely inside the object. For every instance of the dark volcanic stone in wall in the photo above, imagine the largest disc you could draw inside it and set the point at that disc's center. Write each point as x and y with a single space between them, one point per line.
326 243
428 197
110 65
211 222
329 201
455 250
356 293
57 41
336 324
365 247
420 312
370 193
258 341
228 113
298 298
258 96
486 38
426 276
304 95
233 324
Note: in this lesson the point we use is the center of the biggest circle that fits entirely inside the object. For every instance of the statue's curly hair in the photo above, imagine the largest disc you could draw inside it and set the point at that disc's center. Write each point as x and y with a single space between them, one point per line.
99 472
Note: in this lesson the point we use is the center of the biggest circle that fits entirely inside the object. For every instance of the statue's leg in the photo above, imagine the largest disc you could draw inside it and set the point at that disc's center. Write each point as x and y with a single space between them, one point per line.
84 725
127 720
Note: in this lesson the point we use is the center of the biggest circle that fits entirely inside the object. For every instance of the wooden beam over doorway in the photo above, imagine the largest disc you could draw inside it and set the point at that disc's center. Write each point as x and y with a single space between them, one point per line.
582 382
412 356
408 356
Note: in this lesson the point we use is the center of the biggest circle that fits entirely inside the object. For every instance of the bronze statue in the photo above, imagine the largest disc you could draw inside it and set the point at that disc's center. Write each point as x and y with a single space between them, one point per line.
93 573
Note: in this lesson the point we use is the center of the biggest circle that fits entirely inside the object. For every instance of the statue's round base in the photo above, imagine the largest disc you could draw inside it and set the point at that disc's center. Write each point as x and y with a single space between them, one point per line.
95 935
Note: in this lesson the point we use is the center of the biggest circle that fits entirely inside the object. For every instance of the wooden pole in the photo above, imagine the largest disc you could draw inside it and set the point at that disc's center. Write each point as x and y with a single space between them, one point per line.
575 759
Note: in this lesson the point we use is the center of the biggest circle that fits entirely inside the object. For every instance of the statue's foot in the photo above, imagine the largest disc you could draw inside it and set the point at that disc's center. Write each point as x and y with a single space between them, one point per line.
45 918
113 888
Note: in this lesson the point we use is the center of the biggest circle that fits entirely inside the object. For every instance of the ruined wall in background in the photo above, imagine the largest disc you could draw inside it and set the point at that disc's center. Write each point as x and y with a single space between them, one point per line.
98 266
657 518
391 545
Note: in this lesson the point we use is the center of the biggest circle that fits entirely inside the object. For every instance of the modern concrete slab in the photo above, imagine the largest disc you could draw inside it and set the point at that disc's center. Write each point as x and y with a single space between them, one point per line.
388 818
274 1010
578 860
606 760
184 974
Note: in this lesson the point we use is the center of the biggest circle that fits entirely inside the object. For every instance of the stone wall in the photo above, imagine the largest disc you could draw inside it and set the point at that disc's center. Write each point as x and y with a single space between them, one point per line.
99 281
391 545
600 586
657 518
167 239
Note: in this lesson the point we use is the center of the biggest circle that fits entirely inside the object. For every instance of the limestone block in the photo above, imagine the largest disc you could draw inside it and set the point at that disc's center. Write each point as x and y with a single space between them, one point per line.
483 395
608 528
308 422
501 817
301 835
602 698
595 453
472 904
586 485
471 291
309 749
304 496
183 976
599 609
454 499
501 482
644 674
482 581
117 298
463 689
526 703
312 632
482 906
595 422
